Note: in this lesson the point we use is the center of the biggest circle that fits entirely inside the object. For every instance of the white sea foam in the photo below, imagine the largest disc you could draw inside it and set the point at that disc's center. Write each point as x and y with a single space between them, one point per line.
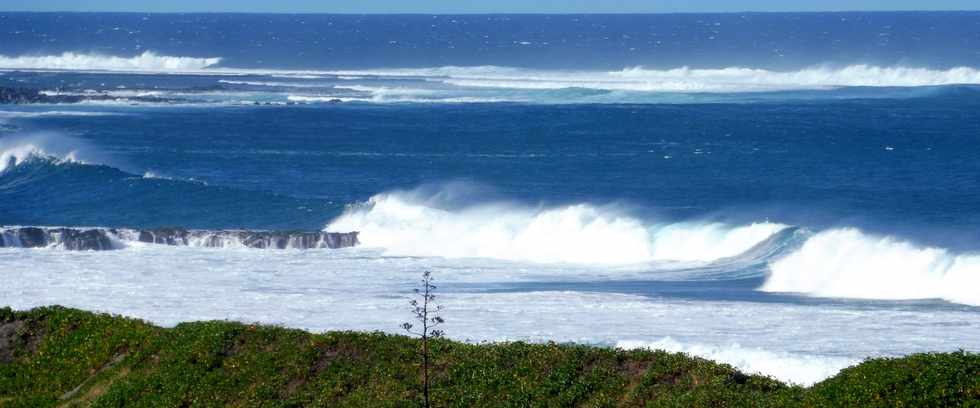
802 369
733 79
384 94
404 224
380 98
383 91
640 79
278 84
730 79
146 62
360 289
317 99
849 263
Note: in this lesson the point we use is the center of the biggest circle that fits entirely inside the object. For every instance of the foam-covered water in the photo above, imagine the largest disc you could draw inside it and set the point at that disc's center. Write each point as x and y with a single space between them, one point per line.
357 289
487 84
786 193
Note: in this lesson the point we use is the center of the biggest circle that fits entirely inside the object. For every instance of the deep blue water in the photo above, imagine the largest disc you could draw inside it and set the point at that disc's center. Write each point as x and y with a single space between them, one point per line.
761 40
814 120
856 132
892 165
789 193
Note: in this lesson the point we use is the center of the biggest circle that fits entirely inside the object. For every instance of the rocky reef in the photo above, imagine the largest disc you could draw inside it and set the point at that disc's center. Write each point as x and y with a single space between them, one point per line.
101 239
23 96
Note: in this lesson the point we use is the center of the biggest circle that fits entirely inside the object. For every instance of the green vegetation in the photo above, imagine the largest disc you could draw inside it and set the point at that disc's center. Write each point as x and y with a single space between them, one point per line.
64 357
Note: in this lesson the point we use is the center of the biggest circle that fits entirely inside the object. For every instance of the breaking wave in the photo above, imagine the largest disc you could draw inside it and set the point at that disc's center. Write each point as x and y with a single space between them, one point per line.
403 224
849 263
146 62
795 368
18 149
637 79
834 263
721 80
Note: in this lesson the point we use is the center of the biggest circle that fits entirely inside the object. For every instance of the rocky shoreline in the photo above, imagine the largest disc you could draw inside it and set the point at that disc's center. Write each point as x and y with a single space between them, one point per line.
26 96
103 239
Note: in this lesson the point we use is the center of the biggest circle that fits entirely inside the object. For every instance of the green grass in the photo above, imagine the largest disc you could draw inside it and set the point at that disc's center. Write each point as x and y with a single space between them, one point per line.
55 356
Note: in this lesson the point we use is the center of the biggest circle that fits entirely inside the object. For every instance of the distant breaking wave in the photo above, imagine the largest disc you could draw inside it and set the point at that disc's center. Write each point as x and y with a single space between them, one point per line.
732 79
635 79
15 150
146 62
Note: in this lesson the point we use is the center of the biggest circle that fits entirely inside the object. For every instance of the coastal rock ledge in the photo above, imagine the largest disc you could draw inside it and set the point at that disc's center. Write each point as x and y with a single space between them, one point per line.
102 239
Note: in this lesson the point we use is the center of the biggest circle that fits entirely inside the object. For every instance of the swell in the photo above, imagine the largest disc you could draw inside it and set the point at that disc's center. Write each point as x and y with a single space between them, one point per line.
52 179
39 187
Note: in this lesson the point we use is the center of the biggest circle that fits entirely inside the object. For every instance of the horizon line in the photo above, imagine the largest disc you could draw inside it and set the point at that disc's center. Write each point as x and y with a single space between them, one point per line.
490 13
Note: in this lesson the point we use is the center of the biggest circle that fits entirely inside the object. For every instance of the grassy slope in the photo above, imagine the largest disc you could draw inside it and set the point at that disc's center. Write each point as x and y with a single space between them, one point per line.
64 357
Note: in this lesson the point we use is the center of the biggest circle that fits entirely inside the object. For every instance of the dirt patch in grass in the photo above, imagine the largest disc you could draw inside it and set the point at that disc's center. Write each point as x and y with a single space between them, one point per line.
17 336
325 356
99 388
634 369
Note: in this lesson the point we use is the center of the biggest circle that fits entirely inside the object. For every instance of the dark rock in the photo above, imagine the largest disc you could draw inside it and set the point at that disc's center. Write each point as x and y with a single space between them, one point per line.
81 240
27 96
249 239
101 239
32 237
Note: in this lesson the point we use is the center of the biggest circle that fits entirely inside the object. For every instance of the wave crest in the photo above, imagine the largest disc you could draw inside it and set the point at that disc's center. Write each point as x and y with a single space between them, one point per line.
15 150
684 79
581 233
148 61
848 263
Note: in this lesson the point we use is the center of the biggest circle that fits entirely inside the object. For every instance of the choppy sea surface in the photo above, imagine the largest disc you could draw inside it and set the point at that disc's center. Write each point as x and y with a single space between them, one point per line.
787 193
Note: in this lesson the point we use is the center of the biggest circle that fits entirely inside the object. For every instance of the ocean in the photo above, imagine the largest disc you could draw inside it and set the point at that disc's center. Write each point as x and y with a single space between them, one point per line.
786 193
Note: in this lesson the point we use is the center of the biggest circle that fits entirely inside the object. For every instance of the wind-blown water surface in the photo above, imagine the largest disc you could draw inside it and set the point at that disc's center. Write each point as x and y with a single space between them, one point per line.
789 193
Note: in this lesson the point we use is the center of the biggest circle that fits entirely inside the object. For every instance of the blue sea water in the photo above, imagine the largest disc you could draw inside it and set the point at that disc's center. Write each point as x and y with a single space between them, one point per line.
789 193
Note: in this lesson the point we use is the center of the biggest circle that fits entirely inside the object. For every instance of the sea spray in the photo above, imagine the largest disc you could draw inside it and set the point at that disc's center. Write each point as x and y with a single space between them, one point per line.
148 61
793 368
17 149
403 224
848 263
